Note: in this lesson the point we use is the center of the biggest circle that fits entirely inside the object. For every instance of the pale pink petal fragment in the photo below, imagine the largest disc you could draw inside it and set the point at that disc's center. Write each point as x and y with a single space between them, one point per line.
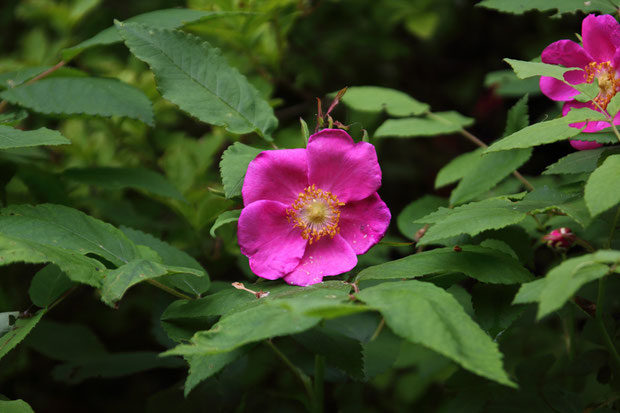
276 175
566 53
557 90
592 126
269 240
601 36
363 223
323 258
337 164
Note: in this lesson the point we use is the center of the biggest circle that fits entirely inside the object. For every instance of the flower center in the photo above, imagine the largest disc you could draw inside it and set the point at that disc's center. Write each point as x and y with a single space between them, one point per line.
608 84
316 212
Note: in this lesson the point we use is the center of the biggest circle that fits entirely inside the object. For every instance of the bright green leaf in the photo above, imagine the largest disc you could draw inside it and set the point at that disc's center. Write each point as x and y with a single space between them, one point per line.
601 192
47 285
377 99
225 218
234 164
427 315
579 161
15 138
15 406
83 95
20 330
525 69
415 210
483 264
439 123
203 366
558 6
457 168
193 75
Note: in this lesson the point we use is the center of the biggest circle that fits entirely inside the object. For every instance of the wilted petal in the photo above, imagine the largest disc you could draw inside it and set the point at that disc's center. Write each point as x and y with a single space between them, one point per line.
269 240
323 258
276 175
337 164
601 36
363 223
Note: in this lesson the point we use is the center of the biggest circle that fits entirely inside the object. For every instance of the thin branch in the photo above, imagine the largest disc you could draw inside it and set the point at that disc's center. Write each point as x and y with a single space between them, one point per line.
40 76
169 290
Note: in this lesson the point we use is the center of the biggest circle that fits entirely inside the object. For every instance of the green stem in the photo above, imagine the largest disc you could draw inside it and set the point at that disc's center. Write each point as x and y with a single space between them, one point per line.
396 244
62 297
613 229
301 376
378 330
169 290
319 382
615 358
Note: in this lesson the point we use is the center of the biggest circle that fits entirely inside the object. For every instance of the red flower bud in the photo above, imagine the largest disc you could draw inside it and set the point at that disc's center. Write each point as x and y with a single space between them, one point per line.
561 238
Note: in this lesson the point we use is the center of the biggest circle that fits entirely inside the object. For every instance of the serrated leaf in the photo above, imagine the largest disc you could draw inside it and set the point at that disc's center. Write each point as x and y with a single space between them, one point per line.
601 191
525 69
457 168
83 95
47 285
14 138
579 161
547 132
204 366
61 227
529 292
380 354
193 75
172 256
163 19
377 99
118 281
259 319
415 210
121 178
20 330
471 219
427 315
483 264
15 406
233 166
494 312
558 6
17 77
440 123
225 218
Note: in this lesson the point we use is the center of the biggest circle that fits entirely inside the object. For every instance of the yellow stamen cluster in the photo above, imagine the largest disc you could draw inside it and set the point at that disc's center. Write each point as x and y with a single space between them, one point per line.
607 82
316 212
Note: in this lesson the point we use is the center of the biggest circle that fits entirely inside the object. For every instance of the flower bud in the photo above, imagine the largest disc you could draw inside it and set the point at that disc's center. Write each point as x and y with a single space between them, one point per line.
561 238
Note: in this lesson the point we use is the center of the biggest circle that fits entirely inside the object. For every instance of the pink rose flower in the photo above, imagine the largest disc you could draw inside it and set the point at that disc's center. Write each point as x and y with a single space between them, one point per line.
309 212
598 58
561 238
593 126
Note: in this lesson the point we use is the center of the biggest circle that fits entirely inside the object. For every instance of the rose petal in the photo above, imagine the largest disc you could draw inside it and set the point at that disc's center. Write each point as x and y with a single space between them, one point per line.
325 257
566 53
601 36
337 164
269 240
276 175
363 223
592 126
584 145
557 90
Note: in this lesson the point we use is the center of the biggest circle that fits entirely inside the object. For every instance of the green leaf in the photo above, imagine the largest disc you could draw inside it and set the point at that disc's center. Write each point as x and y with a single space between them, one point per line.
118 281
193 75
47 285
204 366
494 312
260 319
380 354
20 330
529 292
427 315
471 219
563 281
172 256
525 69
546 132
15 406
415 210
66 228
163 19
579 161
15 138
601 191
234 164
484 264
377 99
225 218
83 95
439 124
558 6
457 168
16 78
120 178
